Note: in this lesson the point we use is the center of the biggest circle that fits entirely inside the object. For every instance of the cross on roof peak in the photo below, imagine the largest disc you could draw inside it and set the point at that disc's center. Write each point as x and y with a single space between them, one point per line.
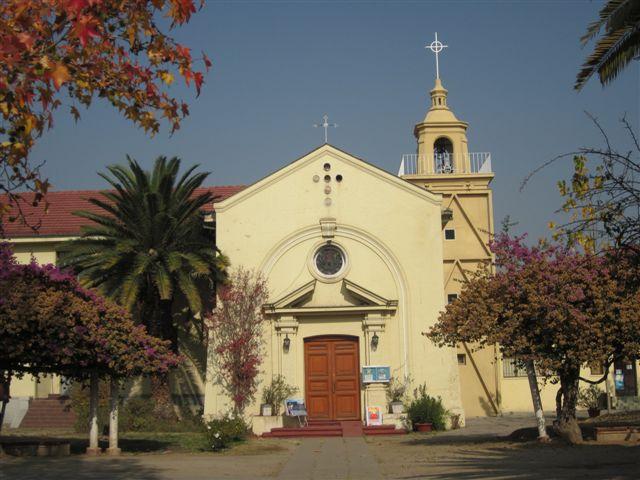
325 124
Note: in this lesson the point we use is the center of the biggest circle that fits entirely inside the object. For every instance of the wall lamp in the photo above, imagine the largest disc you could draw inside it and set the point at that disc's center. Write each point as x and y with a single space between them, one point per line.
286 344
446 215
374 341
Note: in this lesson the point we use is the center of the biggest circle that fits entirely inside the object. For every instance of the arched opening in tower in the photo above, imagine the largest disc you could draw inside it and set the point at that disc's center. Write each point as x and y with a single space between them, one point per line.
443 155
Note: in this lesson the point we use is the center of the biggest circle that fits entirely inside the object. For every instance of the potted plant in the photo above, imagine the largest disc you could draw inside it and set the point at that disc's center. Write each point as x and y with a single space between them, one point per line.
589 398
396 394
425 412
274 395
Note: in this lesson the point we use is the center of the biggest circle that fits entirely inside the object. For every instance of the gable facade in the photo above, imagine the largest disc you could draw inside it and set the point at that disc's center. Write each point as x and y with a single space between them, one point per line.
390 285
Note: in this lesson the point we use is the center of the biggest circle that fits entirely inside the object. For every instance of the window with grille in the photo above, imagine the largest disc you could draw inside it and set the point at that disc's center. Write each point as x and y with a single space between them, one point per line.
511 369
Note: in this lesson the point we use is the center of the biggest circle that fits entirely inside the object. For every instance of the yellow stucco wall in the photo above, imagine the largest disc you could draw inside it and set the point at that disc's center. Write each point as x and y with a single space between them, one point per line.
516 395
390 231
42 251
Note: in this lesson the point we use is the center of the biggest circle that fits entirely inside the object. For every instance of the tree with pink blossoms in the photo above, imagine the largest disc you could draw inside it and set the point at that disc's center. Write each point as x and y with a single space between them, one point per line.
237 332
550 305
50 324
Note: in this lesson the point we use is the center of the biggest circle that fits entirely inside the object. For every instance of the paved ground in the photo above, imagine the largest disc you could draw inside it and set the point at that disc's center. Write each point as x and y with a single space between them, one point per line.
476 452
332 458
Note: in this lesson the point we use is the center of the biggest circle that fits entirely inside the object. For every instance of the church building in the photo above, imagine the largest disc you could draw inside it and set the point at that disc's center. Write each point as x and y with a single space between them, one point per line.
359 263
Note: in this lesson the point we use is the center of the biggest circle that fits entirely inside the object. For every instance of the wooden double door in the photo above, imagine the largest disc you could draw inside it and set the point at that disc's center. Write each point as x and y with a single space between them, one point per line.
332 378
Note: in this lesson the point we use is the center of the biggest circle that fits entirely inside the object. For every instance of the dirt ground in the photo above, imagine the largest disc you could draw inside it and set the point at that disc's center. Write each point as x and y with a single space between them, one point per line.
417 456
257 458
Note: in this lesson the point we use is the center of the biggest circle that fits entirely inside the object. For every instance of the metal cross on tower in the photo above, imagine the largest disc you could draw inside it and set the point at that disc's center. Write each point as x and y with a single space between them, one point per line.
325 124
436 47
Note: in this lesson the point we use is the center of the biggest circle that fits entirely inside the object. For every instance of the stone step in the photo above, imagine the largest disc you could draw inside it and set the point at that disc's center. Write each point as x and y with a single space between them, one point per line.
302 432
49 412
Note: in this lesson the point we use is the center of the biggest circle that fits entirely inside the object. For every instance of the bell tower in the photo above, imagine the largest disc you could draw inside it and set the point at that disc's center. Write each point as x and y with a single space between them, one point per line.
444 165
442 138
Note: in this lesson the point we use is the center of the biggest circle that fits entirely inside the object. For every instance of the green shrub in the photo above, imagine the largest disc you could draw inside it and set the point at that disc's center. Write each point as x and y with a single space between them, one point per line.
222 432
397 389
80 405
590 397
136 414
427 409
277 392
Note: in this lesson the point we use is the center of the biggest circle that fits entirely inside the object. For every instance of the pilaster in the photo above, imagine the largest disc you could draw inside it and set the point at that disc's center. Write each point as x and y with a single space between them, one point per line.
286 327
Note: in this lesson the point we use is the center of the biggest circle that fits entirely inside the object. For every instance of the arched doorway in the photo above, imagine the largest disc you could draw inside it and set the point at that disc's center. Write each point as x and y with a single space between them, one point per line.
332 377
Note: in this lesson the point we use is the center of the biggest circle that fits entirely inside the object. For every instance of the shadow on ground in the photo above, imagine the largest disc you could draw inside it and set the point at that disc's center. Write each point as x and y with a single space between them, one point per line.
79 445
537 462
444 439
76 468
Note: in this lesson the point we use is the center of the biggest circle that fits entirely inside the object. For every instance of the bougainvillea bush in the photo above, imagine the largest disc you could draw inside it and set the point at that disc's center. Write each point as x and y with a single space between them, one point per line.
51 324
237 336
550 304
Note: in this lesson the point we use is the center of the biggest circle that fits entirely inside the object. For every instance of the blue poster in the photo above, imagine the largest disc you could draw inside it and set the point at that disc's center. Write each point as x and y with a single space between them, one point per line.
375 374
618 380
295 407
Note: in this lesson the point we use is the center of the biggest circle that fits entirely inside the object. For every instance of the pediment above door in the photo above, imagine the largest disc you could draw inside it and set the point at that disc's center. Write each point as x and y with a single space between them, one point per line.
349 297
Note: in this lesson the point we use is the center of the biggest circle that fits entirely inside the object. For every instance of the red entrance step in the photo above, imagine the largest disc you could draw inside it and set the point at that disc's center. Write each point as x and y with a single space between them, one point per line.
328 428
383 430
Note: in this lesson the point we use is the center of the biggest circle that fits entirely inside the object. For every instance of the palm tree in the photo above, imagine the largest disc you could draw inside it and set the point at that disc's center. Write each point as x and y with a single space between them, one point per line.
618 45
148 248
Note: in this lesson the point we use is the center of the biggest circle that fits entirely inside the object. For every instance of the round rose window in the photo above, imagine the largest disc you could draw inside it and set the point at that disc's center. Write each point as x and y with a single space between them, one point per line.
329 260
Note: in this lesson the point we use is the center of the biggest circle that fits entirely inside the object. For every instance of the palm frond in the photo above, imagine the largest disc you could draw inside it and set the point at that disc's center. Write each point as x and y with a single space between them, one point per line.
618 44
162 280
606 56
605 13
190 291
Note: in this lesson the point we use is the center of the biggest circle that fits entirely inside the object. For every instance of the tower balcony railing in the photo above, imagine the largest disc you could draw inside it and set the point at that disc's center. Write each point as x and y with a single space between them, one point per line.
445 163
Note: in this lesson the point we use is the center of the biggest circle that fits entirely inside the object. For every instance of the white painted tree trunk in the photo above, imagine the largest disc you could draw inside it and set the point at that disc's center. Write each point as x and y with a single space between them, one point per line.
537 402
114 390
93 448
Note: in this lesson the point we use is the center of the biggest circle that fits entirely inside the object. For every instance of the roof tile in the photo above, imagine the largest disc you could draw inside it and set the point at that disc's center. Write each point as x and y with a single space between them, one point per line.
59 220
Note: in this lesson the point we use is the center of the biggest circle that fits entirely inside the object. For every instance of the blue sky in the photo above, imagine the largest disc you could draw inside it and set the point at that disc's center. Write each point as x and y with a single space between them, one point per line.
280 65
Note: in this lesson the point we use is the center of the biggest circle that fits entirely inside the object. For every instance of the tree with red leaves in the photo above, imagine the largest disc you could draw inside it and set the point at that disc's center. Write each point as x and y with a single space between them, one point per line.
237 336
71 51
550 305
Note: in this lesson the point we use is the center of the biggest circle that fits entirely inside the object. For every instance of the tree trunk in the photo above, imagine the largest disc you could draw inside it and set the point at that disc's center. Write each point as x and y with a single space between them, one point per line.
150 309
163 407
566 424
537 402
167 326
6 396
114 391
93 448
